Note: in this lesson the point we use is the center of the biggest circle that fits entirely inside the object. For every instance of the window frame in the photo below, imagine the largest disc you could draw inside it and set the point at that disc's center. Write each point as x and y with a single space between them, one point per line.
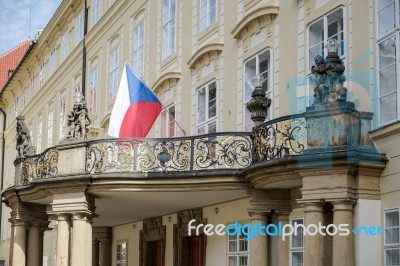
395 246
208 10
62 115
53 61
135 49
324 17
168 122
395 32
207 120
113 74
167 25
296 249
50 125
65 45
269 93
96 11
93 99
125 261
79 27
237 254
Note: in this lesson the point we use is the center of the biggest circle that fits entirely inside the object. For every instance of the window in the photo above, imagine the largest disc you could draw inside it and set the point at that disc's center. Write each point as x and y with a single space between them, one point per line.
208 13
330 26
50 121
169 16
238 249
39 134
258 64
207 108
62 114
53 60
41 76
388 65
32 86
168 122
138 50
78 83
121 254
93 90
16 105
96 11
79 27
64 45
23 98
392 237
113 77
297 243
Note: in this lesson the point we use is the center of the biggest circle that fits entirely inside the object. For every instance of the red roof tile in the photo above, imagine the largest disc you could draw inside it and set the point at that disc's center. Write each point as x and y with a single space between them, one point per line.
10 60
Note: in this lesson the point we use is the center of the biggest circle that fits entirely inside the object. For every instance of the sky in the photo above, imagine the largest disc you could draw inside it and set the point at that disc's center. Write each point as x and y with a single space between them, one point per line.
14 20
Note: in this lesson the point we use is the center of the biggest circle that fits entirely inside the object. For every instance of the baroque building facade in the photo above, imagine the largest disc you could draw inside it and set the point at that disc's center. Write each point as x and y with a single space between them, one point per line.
101 201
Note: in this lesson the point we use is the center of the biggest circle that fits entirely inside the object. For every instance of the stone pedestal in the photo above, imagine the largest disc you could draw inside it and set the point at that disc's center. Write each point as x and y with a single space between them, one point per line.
338 126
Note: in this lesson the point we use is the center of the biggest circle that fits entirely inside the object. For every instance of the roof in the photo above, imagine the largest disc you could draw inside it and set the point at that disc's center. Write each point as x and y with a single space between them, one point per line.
10 60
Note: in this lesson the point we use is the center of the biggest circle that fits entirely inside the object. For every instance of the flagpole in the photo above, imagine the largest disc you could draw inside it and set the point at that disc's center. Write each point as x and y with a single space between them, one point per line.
170 115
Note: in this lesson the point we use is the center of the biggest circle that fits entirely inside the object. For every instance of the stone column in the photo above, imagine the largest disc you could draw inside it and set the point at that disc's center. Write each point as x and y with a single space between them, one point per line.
95 252
19 244
10 256
35 245
314 245
259 244
283 245
62 257
79 241
89 241
343 246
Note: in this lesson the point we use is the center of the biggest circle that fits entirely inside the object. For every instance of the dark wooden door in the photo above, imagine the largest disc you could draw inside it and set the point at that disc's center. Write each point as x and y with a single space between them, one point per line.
196 251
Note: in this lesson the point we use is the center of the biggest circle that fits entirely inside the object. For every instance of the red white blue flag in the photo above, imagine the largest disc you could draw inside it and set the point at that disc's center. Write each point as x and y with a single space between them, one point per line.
135 108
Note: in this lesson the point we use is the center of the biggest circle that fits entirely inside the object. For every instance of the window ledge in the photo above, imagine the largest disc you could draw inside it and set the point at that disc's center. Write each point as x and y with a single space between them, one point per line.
385 131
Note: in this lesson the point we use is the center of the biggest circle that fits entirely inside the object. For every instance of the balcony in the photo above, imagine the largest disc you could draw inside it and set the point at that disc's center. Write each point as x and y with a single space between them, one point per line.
218 154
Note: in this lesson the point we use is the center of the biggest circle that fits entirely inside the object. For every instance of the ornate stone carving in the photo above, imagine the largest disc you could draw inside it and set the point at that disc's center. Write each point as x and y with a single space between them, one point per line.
329 77
259 104
24 144
78 120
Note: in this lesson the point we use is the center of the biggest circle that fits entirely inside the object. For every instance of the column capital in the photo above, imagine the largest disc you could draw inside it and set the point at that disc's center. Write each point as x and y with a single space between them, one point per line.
314 206
18 222
63 216
80 216
343 205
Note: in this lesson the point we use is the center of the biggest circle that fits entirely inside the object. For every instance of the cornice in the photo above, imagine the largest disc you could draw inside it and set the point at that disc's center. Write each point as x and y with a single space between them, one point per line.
215 46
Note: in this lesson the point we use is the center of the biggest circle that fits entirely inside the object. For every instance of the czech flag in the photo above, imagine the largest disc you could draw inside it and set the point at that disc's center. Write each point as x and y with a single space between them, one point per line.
135 108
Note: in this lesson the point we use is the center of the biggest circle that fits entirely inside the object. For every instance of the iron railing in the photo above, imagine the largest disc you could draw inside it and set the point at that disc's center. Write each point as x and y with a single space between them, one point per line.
229 151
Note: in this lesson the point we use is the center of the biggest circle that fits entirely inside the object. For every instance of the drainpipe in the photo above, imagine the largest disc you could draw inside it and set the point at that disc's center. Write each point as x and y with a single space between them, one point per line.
85 24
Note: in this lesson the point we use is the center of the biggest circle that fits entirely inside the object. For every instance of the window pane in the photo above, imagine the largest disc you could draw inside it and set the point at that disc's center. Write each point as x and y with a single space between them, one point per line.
243 260
212 100
165 12
386 19
392 257
392 219
335 22
201 105
387 80
387 52
316 33
384 3
213 11
297 258
232 261
233 245
212 127
388 108
314 51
